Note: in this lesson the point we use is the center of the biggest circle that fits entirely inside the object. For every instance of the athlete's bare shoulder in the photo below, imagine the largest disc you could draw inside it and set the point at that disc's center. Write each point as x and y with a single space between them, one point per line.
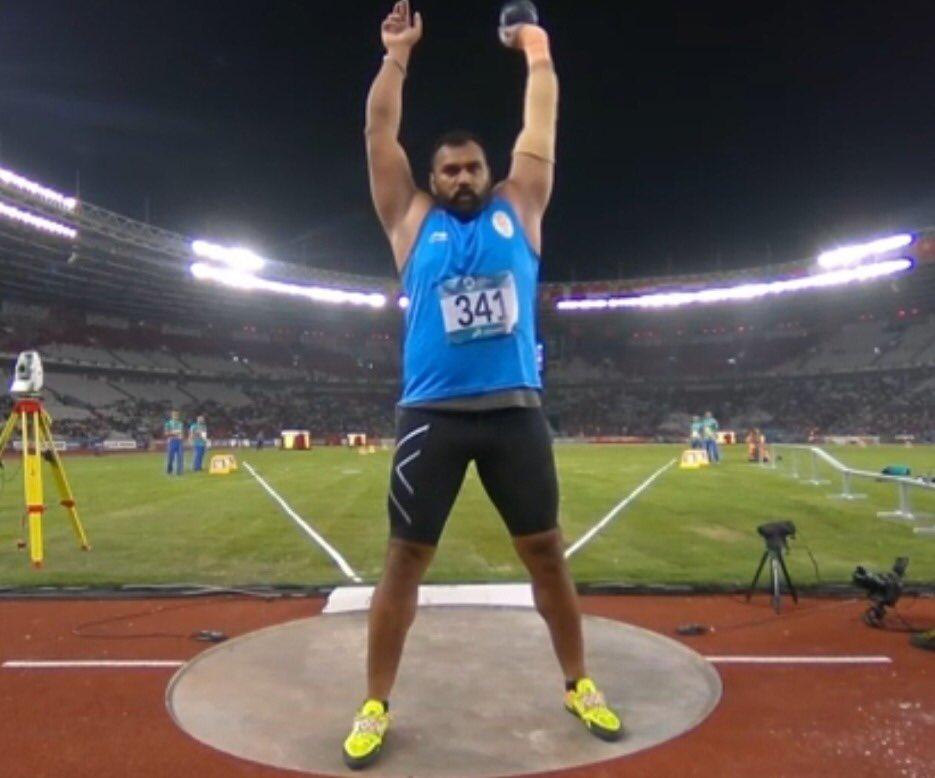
406 233
530 218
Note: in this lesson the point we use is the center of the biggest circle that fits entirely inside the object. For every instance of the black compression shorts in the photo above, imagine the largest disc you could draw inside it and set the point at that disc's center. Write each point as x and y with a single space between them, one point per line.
513 454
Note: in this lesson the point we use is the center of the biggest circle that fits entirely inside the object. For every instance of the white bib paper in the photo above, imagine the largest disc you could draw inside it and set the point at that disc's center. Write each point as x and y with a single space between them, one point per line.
478 307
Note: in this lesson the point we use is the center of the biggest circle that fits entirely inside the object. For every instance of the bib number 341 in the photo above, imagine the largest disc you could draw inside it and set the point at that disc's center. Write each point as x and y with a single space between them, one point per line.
475 308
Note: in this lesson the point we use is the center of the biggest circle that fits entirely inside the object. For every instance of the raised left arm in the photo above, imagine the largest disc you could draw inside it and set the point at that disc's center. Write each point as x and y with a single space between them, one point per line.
529 184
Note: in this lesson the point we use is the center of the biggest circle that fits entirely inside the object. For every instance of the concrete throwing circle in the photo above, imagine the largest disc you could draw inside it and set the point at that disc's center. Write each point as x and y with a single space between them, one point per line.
479 694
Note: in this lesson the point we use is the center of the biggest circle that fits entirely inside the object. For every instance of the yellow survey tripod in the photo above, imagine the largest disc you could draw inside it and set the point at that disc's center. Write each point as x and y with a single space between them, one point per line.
36 430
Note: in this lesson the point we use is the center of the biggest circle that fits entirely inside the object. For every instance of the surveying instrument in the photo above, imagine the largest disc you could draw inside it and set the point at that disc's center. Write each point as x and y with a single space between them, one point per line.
35 426
776 536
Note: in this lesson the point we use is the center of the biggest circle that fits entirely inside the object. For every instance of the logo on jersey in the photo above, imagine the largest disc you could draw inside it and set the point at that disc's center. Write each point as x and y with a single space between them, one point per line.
503 224
438 237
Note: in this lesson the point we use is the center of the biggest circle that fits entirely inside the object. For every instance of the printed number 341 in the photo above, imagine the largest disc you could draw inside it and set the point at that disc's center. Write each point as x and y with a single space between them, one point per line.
480 308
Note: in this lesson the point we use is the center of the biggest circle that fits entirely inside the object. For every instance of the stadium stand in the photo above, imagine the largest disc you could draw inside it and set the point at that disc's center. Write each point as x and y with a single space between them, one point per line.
854 359
204 391
89 391
858 372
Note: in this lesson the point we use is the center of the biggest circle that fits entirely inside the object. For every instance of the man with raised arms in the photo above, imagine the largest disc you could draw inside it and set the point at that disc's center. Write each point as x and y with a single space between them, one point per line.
468 255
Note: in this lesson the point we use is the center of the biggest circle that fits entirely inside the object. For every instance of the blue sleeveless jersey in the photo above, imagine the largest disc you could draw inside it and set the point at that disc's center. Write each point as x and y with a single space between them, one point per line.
470 325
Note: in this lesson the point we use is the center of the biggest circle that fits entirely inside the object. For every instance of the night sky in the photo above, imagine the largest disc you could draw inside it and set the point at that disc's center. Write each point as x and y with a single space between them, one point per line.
692 135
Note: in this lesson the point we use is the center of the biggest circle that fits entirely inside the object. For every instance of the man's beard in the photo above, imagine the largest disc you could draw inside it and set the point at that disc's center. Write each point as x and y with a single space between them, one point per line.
466 203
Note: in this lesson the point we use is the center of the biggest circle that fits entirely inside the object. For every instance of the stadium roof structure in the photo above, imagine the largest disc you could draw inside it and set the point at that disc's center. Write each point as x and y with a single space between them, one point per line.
62 251
106 261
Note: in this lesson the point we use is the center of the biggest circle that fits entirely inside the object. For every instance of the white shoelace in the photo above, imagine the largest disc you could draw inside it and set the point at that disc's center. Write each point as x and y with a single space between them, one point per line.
593 700
368 725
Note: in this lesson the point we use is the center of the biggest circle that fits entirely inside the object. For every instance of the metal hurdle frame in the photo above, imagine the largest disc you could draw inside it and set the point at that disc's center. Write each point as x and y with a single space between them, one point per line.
903 511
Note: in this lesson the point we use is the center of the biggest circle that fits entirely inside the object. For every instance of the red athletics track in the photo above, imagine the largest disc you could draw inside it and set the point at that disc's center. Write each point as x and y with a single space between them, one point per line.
773 720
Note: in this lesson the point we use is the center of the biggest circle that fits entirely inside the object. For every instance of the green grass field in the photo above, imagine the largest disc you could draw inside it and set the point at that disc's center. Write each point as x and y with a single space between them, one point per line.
690 527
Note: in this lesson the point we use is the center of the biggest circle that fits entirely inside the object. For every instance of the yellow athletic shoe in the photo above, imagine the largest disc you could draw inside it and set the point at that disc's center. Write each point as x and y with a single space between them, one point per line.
587 703
363 745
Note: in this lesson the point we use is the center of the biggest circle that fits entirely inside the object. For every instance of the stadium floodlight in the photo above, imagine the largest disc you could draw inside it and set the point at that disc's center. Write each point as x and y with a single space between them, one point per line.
15 181
37 222
234 257
851 255
249 282
743 292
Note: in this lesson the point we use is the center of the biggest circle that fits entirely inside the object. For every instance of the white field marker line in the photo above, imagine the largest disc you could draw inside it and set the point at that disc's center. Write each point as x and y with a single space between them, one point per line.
616 509
91 663
339 560
136 664
800 660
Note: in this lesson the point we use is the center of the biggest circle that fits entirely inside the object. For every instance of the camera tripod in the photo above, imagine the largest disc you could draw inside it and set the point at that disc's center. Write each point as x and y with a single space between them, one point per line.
777 566
875 615
36 431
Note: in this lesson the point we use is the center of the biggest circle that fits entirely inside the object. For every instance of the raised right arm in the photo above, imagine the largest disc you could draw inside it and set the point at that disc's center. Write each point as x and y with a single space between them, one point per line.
392 187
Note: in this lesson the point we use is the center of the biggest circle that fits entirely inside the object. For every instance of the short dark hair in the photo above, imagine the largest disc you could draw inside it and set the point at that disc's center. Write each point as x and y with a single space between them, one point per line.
455 138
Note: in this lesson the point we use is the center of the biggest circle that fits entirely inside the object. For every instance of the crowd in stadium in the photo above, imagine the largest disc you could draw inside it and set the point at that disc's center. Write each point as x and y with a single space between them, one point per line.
888 404
324 415
867 377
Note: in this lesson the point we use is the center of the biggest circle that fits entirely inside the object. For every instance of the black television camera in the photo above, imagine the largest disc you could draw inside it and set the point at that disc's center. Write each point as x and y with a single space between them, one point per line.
884 589
776 534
